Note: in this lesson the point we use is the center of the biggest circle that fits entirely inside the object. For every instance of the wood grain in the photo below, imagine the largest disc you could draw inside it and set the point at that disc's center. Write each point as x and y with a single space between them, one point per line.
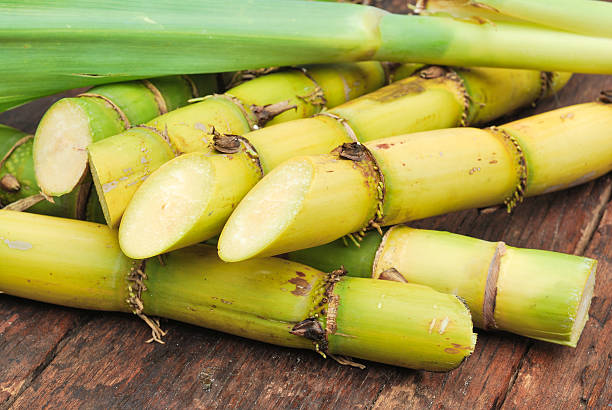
63 358
30 335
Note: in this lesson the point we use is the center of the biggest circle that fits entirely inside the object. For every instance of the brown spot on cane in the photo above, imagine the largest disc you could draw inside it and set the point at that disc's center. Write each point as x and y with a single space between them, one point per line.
384 146
433 71
300 274
458 346
410 86
302 287
605 97
451 350
9 183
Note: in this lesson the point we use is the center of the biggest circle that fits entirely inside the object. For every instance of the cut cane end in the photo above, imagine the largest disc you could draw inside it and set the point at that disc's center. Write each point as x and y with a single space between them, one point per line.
166 207
259 221
60 147
582 315
110 221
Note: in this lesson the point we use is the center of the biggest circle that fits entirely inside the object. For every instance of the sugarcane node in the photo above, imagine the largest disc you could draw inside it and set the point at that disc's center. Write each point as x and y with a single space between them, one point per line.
136 285
546 85
490 293
353 151
111 103
393 275
249 116
521 187
317 96
266 113
195 93
309 328
467 99
162 134
226 143
349 131
247 75
605 96
9 183
157 96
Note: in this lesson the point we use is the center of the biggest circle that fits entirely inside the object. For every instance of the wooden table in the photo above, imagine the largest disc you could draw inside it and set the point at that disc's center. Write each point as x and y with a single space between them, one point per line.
67 358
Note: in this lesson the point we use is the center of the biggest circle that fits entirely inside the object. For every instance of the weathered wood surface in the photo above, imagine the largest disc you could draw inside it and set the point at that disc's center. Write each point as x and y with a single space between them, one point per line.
64 358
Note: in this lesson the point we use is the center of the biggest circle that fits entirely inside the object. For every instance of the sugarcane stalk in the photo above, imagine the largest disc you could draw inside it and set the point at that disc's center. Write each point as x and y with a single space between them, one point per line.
47 46
535 293
417 176
270 300
434 98
278 96
18 186
586 17
71 124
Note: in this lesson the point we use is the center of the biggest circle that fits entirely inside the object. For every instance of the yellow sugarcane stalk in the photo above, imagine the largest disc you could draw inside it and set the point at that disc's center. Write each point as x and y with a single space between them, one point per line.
79 264
420 175
434 98
535 293
279 96
71 124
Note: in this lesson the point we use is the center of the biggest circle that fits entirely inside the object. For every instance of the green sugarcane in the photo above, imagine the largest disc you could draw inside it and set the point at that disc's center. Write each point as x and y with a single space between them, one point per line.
189 199
409 177
18 187
270 300
539 294
47 46
71 124
121 163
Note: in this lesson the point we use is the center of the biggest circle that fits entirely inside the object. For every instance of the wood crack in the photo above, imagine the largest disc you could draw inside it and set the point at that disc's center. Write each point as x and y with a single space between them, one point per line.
501 399
49 357
591 227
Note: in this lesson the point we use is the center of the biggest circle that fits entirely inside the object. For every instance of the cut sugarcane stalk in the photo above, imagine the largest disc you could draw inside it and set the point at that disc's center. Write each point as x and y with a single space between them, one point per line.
270 300
46 46
539 294
435 98
18 186
419 175
586 17
121 163
71 124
